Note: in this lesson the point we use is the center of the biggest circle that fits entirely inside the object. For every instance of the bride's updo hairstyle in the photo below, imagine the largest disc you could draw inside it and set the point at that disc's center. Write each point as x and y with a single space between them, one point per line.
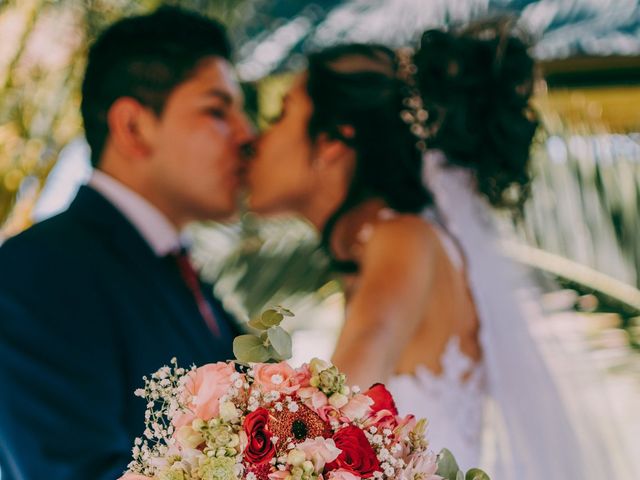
357 99
478 82
475 86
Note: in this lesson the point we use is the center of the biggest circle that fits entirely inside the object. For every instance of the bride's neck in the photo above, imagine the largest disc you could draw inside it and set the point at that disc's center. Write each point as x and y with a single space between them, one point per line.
345 239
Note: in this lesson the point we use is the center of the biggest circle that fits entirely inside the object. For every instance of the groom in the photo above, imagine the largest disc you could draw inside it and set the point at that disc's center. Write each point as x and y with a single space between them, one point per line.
102 294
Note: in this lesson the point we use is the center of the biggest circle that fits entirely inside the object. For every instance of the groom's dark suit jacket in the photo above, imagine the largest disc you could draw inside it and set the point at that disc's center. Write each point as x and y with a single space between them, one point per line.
87 309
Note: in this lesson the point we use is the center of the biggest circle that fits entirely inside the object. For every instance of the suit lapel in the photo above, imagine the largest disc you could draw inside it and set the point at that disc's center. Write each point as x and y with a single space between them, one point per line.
98 213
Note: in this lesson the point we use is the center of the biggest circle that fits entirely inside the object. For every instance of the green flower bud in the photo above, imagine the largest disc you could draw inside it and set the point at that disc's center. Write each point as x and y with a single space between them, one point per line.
307 466
219 468
296 457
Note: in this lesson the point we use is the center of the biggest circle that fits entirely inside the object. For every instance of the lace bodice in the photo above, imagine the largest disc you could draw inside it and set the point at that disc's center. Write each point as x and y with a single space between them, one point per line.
452 402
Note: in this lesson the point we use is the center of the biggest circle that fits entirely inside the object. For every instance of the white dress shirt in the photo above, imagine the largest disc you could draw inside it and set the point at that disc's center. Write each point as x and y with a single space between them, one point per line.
161 235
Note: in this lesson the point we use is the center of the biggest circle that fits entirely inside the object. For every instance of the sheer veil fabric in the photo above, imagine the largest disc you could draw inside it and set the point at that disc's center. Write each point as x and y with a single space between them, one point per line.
537 424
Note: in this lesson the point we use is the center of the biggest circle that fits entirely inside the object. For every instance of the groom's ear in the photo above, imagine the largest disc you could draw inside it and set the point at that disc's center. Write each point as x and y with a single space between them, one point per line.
132 127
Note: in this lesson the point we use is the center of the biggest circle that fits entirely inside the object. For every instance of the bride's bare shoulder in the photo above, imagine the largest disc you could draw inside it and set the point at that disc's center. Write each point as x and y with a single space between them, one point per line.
400 234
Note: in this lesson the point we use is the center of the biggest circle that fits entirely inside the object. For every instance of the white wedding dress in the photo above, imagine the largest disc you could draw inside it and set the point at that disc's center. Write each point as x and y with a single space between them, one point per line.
508 415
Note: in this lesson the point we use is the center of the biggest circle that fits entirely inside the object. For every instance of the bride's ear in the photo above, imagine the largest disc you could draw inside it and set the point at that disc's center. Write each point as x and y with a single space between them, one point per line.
331 151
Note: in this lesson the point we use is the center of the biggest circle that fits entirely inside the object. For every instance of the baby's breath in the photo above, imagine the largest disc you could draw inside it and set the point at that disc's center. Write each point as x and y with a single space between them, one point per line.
162 392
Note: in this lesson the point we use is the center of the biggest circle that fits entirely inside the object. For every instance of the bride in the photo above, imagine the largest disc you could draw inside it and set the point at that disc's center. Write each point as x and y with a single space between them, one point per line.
431 305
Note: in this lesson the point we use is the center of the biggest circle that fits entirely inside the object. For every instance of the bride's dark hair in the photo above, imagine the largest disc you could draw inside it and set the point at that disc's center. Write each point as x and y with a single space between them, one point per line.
478 82
476 86
357 99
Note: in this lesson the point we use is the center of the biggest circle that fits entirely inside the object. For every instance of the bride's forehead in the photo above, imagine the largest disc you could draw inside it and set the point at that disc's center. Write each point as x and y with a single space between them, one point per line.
298 90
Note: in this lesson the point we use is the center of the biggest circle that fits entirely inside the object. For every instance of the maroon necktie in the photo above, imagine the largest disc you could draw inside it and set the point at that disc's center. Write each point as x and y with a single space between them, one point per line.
190 277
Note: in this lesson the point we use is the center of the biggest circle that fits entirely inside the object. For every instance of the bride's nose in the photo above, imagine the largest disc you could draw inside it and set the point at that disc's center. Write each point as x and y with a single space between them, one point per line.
244 131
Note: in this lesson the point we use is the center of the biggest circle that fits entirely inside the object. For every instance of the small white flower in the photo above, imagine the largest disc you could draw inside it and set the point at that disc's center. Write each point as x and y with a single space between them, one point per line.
277 379
293 407
278 406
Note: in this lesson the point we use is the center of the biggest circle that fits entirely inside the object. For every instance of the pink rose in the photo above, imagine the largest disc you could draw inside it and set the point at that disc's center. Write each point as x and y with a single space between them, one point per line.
342 474
328 413
279 377
320 451
303 375
205 386
313 398
359 406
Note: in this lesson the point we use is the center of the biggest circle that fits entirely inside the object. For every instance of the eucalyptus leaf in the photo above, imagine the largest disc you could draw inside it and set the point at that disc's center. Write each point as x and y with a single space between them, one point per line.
460 475
476 474
281 341
249 348
271 318
275 355
257 324
447 465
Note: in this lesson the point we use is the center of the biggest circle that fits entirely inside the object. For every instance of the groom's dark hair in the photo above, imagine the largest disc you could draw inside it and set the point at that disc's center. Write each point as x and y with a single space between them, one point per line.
145 57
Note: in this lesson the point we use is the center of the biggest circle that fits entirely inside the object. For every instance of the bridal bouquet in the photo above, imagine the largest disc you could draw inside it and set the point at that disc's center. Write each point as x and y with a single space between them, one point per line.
254 420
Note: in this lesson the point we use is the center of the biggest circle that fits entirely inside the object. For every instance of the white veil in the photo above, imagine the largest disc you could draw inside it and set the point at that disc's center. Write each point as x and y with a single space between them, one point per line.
536 429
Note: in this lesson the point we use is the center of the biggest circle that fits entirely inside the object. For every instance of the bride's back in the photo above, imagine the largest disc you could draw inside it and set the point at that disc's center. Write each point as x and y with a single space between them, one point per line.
443 319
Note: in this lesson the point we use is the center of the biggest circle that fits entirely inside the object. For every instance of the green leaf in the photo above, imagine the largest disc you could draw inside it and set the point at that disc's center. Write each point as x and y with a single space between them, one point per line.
460 475
447 465
271 318
281 341
257 324
476 474
274 355
249 348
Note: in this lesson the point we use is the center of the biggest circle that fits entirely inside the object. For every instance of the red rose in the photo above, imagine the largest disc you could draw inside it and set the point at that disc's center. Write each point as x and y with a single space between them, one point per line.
382 399
260 448
357 455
